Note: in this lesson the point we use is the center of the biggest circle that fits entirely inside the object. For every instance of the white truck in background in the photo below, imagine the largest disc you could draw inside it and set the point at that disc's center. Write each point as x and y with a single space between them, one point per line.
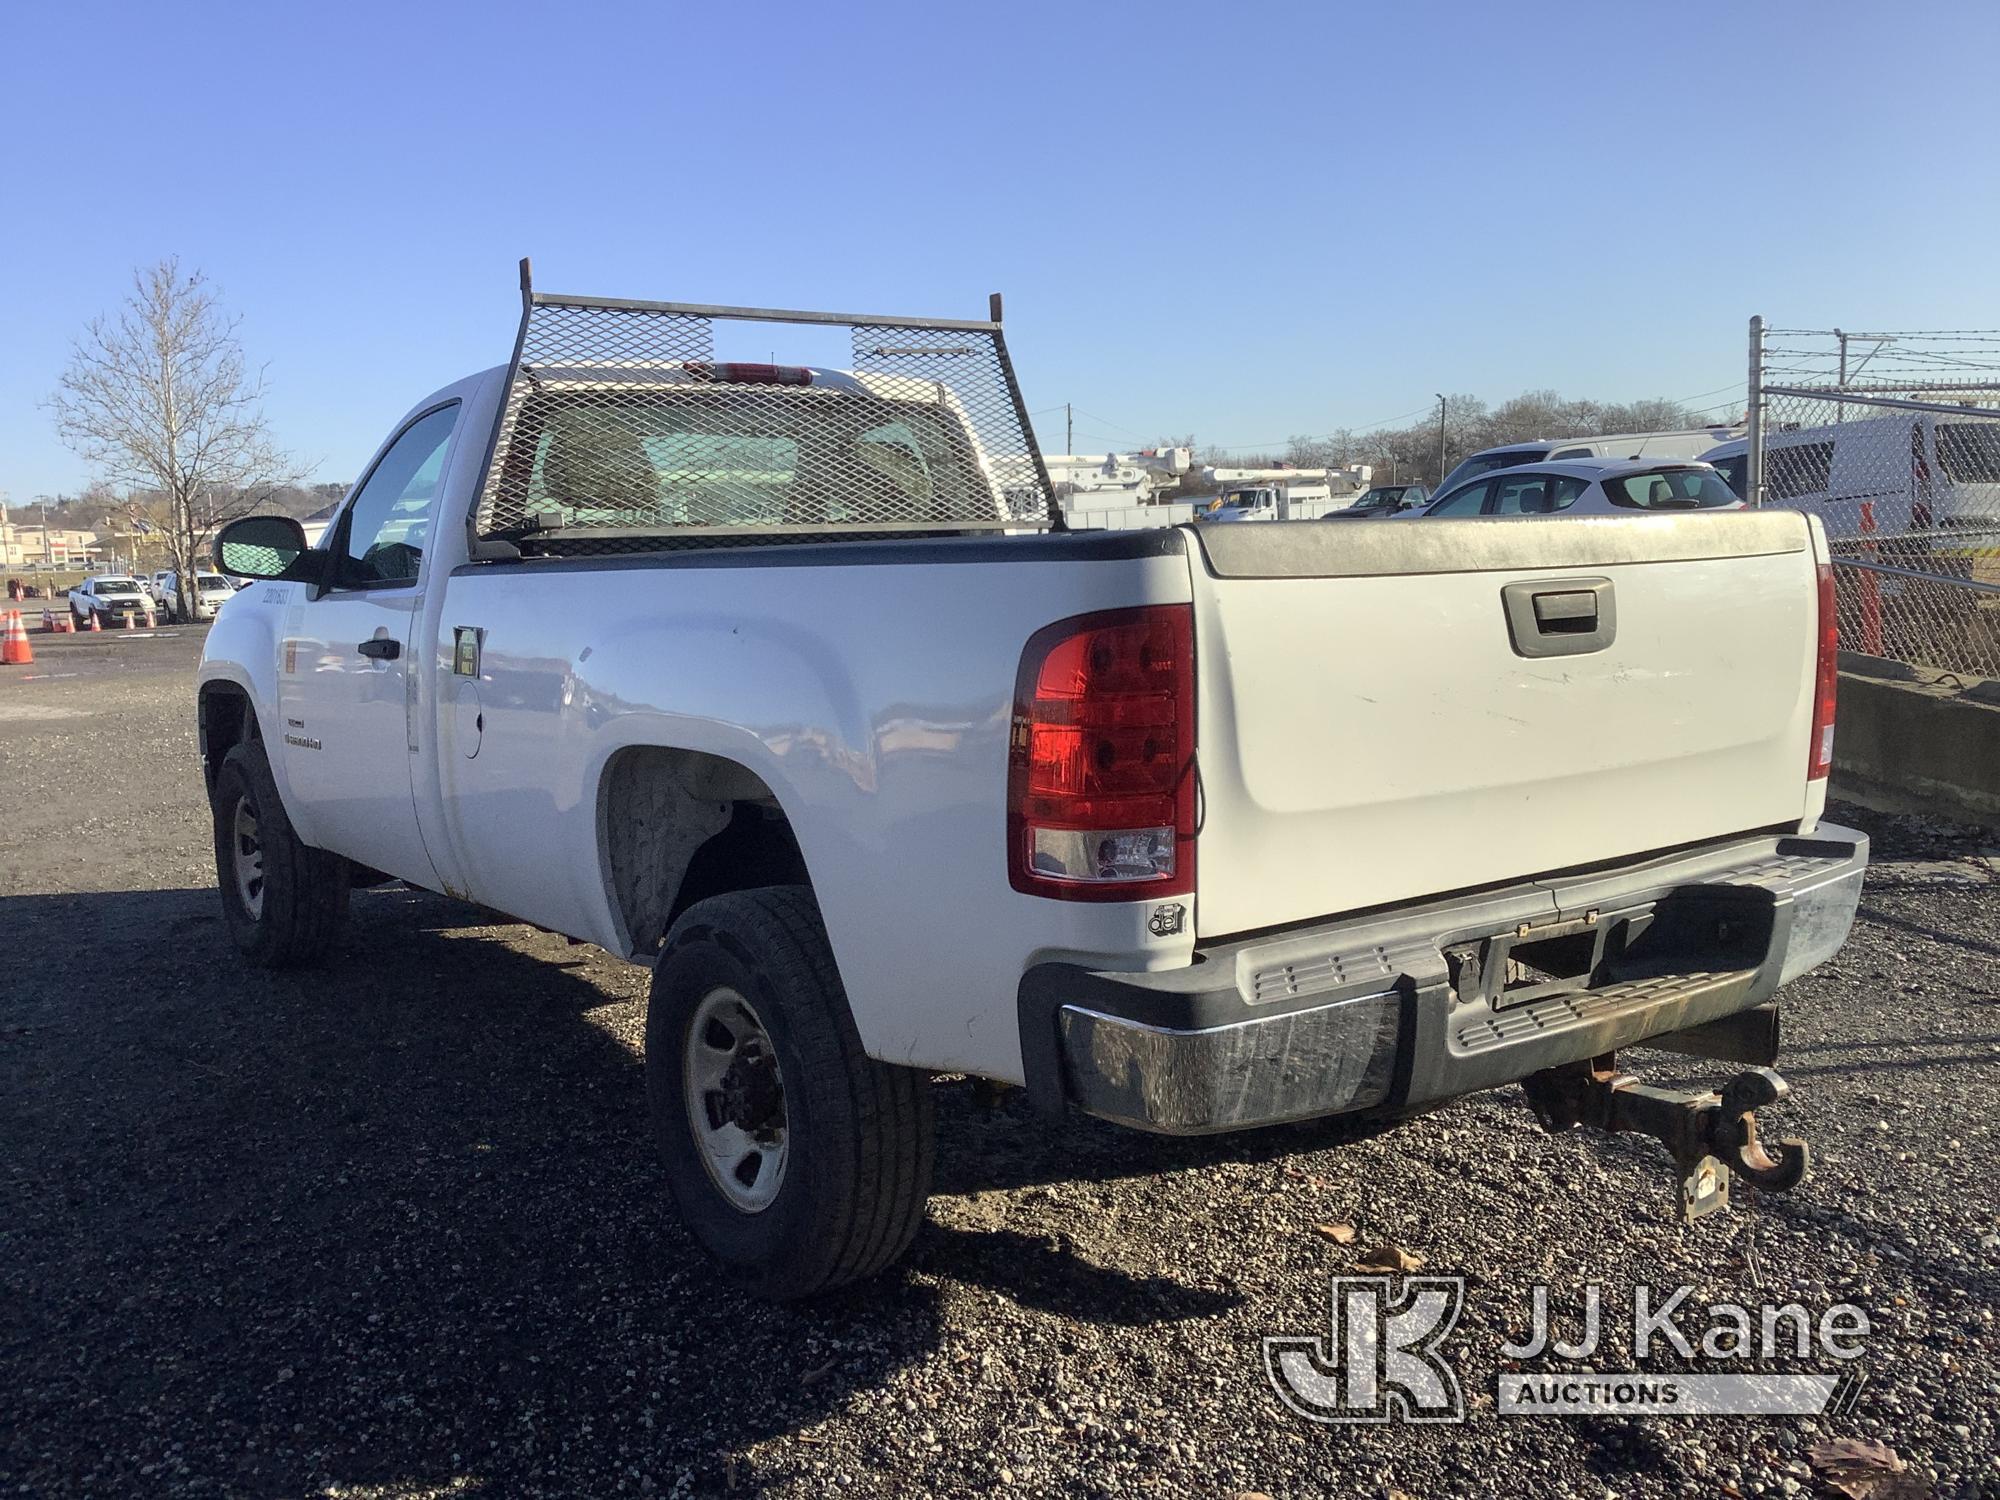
110 599
1280 494
736 671
207 593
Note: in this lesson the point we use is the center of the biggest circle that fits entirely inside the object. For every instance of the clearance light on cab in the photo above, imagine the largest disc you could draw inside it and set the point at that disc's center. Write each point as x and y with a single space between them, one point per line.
748 374
1100 790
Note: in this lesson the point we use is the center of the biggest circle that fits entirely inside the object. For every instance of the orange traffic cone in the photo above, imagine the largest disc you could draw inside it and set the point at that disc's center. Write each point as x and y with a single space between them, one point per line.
94 625
131 619
14 648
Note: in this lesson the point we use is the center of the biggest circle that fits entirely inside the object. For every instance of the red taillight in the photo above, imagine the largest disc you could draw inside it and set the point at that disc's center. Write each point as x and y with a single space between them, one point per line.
1100 764
1826 675
742 374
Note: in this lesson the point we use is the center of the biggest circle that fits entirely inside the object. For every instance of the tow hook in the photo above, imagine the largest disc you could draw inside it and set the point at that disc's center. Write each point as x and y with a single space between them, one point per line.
1711 1135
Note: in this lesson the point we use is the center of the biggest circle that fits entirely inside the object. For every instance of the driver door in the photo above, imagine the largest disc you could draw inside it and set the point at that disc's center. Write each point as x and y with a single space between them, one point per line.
347 673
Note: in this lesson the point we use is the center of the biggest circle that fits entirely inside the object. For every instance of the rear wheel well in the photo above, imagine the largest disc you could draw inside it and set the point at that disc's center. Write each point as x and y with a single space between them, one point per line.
680 826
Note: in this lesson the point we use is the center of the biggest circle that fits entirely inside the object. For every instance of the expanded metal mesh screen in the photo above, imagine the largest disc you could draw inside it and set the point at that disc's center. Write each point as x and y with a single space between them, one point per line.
1893 440
621 425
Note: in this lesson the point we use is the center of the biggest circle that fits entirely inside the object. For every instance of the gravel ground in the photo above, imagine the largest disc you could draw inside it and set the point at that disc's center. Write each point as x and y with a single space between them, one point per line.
394 1229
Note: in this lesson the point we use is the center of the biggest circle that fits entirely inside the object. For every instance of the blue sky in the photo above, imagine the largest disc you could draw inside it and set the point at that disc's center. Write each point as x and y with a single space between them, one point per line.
1244 220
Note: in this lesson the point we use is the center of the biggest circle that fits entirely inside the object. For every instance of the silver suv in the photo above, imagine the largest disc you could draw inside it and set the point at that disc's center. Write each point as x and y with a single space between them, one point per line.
1589 487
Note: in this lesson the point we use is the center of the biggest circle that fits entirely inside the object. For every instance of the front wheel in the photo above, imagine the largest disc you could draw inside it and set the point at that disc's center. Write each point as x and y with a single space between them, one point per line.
800 1163
284 900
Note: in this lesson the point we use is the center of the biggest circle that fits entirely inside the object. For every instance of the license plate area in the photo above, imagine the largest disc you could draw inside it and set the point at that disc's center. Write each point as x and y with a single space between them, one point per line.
1690 931
1530 963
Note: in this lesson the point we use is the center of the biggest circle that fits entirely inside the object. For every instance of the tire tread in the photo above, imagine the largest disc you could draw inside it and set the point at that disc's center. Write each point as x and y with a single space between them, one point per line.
305 889
882 1112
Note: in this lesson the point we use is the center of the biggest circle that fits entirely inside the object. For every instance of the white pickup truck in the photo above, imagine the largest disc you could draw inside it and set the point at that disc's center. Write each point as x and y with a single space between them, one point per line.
748 673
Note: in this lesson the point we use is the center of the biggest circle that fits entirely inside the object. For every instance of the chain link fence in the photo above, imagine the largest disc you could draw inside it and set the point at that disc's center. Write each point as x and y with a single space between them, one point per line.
1893 440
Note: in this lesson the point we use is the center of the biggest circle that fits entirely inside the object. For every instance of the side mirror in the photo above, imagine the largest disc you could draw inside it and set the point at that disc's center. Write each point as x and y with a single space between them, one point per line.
264 547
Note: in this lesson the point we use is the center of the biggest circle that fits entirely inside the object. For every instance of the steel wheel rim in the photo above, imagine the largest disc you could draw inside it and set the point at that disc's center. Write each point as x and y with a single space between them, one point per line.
735 1100
247 858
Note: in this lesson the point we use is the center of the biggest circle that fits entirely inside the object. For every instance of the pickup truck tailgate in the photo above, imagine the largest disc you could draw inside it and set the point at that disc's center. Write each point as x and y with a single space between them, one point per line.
1394 709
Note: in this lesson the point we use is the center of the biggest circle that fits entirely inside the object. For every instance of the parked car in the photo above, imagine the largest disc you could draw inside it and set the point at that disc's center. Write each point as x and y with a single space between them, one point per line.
112 598
1690 443
1913 470
1382 500
1589 488
1045 809
211 592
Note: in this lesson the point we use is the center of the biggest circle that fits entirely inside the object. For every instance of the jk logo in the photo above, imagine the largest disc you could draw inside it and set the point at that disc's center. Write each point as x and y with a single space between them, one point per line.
1379 1360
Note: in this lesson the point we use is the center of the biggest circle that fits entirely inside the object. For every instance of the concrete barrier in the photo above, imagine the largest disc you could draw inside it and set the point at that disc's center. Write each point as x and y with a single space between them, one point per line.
1917 747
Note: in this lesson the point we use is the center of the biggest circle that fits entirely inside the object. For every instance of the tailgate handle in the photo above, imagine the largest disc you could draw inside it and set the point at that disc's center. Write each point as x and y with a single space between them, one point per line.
1566 612
1560 616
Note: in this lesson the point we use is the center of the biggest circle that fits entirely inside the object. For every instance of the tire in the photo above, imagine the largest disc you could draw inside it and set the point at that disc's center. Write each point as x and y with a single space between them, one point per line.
300 893
856 1134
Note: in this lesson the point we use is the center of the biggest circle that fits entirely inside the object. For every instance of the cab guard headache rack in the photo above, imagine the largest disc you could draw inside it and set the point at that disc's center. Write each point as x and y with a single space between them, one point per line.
621 430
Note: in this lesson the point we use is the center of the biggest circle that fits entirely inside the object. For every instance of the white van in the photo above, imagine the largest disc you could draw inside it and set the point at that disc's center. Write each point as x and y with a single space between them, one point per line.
1691 443
1914 470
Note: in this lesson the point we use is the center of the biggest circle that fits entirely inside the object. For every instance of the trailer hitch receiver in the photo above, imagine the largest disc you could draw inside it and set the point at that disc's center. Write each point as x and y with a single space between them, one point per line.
1712 1136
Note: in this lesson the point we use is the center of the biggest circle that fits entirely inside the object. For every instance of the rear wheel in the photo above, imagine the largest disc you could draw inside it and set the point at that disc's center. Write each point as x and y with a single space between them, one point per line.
283 900
800 1163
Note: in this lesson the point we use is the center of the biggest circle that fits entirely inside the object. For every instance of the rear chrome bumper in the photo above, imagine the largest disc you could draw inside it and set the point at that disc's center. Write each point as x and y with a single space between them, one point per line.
1406 1007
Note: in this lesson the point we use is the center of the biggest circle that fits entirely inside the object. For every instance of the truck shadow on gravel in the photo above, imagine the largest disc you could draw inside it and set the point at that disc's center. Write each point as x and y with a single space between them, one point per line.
398 1221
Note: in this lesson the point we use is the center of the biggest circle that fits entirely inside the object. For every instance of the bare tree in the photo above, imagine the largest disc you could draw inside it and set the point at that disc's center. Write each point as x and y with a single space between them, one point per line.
158 396
1304 451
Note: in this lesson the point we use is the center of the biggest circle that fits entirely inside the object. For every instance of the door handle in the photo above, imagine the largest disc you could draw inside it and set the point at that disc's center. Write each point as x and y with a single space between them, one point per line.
381 650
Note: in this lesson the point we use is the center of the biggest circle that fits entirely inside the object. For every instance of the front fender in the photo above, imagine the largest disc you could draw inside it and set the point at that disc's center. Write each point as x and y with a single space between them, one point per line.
244 651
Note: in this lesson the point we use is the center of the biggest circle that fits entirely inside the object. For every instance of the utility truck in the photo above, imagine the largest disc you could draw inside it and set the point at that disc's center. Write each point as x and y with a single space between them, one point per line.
789 683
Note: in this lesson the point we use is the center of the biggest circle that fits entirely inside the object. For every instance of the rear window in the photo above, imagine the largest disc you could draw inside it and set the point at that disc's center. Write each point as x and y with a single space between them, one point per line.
1969 452
1795 469
723 457
1670 489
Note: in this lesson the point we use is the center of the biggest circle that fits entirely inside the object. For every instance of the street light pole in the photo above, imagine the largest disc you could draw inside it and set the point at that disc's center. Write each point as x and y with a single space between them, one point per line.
1440 439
